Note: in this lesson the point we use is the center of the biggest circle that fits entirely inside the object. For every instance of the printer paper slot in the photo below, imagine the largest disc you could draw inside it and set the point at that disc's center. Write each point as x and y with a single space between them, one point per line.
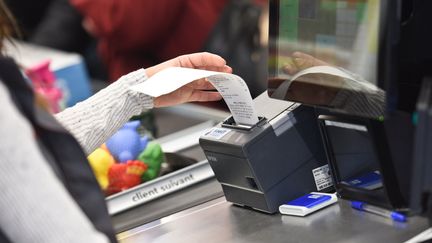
230 123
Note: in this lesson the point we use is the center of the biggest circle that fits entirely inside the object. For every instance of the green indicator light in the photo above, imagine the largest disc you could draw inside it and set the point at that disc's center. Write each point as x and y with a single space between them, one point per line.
381 118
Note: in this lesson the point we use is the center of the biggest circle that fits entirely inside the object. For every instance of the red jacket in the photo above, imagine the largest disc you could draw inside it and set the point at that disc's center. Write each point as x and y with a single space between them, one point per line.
141 33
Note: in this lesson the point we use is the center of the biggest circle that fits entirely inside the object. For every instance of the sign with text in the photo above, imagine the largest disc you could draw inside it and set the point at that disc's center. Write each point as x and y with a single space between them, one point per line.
159 187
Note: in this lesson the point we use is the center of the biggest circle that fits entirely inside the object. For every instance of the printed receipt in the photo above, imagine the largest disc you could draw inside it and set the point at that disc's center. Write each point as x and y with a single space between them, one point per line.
233 89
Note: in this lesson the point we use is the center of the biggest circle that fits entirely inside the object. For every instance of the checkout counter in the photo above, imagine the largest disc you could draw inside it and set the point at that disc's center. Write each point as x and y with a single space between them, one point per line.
347 68
222 208
220 221
239 205
201 213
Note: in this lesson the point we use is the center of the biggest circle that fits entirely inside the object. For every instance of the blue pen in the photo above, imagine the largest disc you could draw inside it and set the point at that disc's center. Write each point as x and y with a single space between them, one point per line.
379 211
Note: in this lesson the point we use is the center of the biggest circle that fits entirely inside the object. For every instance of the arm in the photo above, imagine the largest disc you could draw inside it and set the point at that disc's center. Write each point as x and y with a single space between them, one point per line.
34 206
96 119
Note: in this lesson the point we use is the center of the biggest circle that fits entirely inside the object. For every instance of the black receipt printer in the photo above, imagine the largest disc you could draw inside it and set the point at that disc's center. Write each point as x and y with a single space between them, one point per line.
274 161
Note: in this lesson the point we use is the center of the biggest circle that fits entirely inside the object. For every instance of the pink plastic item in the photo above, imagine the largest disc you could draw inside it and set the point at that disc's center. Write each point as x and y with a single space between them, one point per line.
44 83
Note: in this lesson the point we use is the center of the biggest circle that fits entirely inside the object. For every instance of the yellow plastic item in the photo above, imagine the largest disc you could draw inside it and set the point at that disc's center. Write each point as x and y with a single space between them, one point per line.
100 161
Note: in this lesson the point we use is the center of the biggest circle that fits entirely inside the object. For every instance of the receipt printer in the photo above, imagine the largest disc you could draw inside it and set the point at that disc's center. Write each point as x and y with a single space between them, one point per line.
274 161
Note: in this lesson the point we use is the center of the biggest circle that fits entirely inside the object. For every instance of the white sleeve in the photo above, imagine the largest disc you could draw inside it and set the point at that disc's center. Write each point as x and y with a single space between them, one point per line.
96 119
34 204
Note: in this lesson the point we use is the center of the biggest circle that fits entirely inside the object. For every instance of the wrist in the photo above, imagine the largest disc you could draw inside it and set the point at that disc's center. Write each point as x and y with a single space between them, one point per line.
149 71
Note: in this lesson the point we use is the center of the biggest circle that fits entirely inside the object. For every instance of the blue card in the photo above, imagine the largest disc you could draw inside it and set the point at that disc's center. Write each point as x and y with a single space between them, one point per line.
309 200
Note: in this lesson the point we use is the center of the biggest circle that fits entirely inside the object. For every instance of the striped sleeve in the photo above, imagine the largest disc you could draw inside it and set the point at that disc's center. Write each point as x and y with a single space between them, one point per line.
96 119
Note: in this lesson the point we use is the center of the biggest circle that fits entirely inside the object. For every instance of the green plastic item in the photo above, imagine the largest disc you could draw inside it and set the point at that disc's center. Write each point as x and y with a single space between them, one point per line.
153 157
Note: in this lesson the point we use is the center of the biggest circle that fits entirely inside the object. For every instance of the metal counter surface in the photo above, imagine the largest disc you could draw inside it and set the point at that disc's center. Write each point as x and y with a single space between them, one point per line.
194 195
220 221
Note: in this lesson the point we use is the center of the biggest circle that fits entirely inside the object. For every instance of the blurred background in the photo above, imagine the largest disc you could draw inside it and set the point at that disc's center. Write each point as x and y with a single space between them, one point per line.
70 49
117 37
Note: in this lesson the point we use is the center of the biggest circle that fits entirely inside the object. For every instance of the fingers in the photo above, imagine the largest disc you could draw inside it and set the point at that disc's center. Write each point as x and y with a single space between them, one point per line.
90 27
302 55
202 84
289 67
179 97
204 60
224 69
204 96
170 99
305 60
300 61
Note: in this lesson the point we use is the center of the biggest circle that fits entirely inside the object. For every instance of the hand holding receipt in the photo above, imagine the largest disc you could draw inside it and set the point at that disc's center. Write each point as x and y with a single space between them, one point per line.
232 88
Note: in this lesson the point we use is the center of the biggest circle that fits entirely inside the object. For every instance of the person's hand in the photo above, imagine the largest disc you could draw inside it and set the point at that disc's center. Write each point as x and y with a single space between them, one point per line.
199 90
90 27
300 61
297 62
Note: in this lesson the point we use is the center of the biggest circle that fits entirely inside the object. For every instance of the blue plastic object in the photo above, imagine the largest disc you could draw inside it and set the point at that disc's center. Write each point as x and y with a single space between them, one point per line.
126 144
76 80
309 200
357 205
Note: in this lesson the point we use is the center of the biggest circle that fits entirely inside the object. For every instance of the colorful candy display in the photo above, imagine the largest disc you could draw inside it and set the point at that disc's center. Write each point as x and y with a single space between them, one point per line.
126 160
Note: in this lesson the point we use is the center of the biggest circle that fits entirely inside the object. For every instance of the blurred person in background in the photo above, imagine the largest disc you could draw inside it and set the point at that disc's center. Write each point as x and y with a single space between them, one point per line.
49 193
133 34
240 36
57 24
51 23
